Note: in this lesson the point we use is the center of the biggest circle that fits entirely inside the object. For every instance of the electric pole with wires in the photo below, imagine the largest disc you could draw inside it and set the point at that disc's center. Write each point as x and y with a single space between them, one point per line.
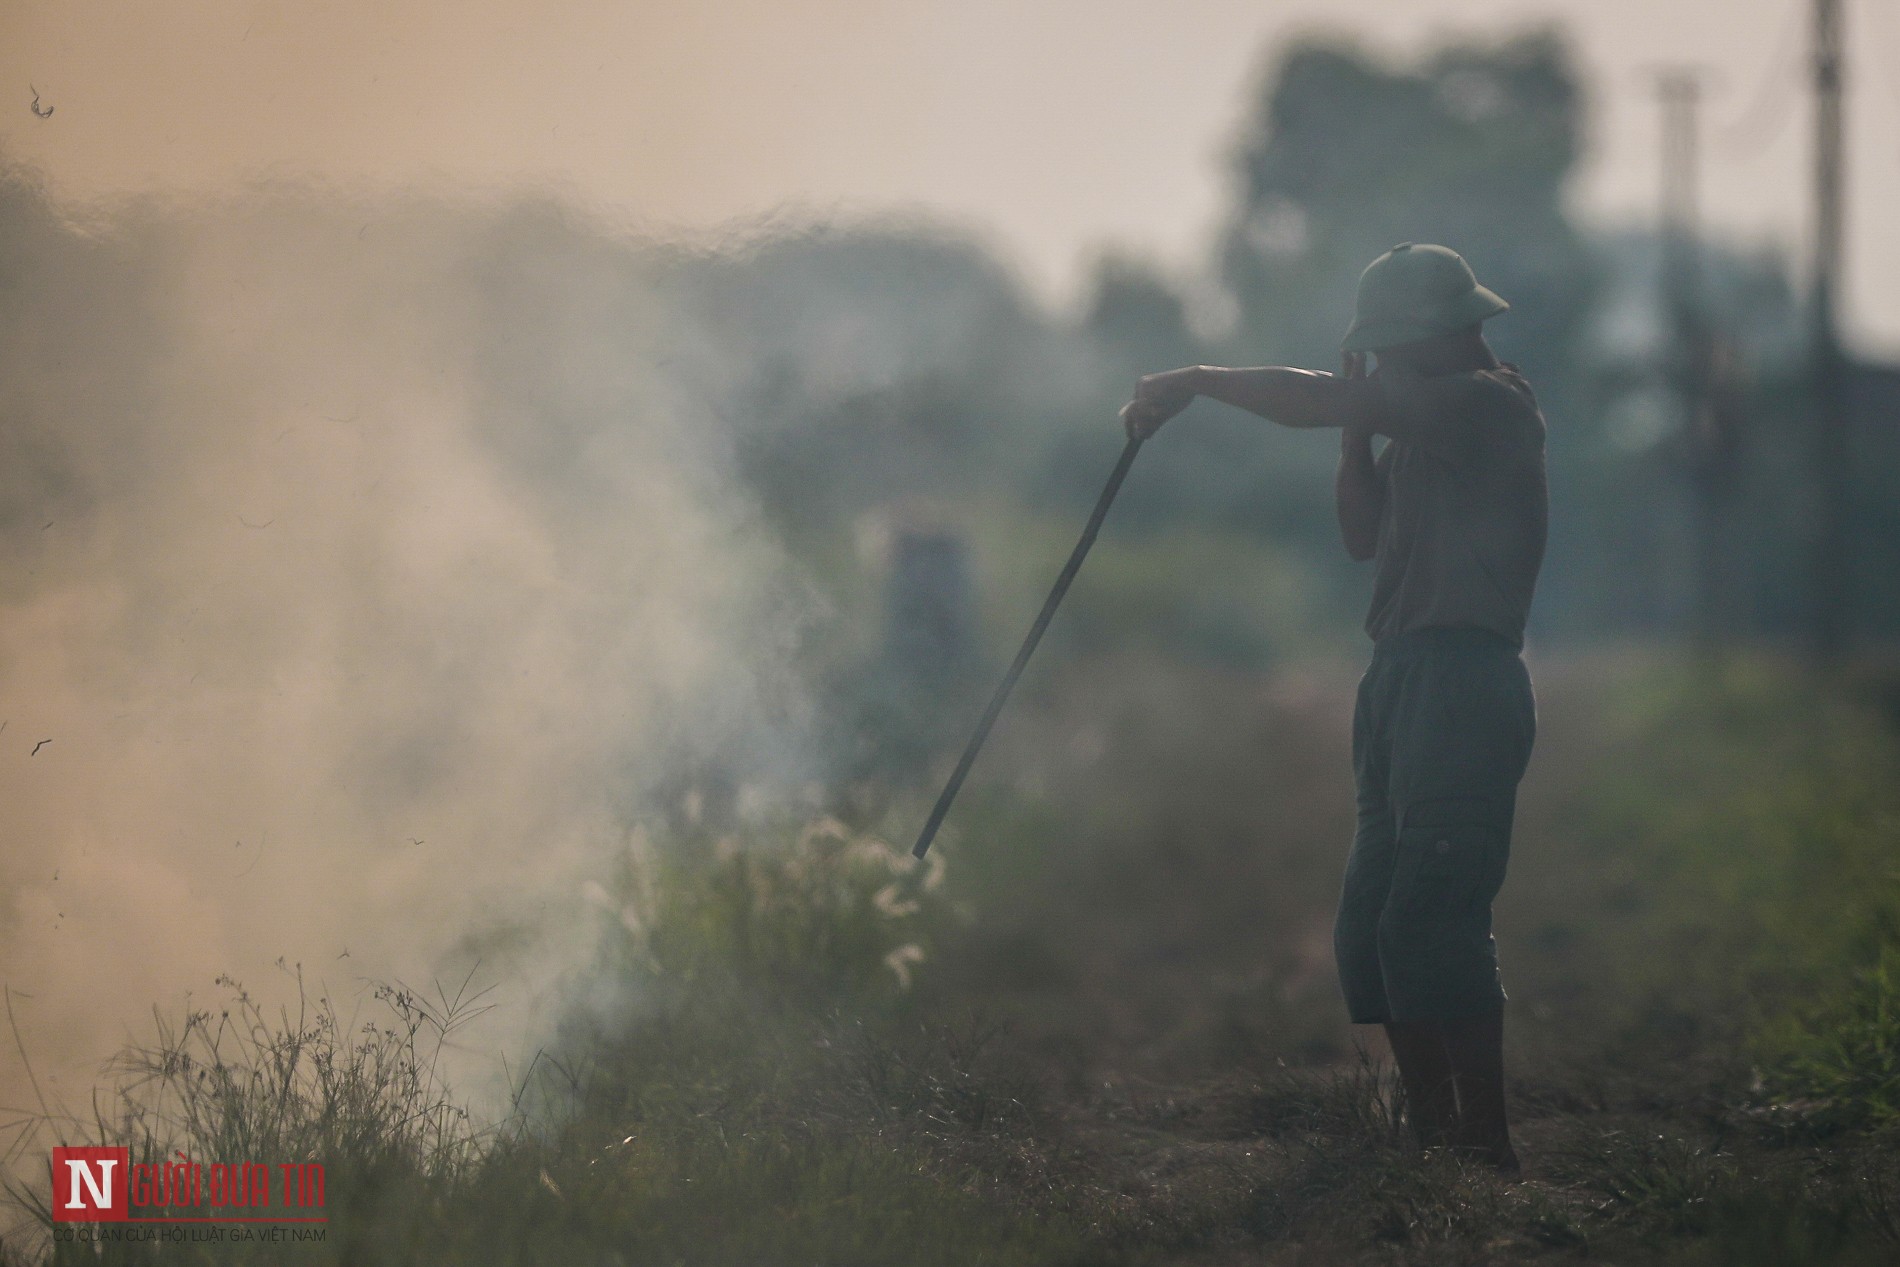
1708 431
1831 612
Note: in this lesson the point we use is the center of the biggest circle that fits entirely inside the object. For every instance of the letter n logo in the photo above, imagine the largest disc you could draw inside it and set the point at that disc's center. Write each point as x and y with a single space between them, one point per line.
89 1184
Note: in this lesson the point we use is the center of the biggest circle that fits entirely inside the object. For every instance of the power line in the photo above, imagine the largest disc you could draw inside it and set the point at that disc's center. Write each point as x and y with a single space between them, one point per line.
1889 73
1776 92
1708 436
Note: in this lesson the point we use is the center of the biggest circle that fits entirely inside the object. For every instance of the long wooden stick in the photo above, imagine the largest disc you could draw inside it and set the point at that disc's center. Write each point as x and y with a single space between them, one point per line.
1049 606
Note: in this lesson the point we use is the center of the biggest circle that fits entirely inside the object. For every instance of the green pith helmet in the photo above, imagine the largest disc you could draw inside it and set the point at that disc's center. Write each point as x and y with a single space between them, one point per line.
1415 291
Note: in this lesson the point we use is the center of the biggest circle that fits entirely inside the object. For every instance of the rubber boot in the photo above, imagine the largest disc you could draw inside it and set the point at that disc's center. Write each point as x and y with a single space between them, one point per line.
1427 1074
1475 1046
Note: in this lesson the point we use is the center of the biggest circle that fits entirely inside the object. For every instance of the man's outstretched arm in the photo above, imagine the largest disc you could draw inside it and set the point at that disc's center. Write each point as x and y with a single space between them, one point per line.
1294 398
1278 393
1431 413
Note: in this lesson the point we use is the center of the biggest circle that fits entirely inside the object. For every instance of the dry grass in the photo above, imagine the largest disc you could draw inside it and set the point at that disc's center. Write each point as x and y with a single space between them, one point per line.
1106 1039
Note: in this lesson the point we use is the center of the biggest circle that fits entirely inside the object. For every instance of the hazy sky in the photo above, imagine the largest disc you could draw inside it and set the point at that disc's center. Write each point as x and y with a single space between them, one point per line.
1056 125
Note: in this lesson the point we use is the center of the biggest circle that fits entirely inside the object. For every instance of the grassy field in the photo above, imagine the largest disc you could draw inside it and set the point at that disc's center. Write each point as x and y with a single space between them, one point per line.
1104 1029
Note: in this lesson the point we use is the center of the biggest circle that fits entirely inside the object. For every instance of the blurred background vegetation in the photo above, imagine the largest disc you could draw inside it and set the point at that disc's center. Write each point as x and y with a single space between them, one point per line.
929 441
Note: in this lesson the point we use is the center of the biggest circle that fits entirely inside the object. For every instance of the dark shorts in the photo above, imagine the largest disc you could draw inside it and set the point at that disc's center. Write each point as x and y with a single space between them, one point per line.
1440 737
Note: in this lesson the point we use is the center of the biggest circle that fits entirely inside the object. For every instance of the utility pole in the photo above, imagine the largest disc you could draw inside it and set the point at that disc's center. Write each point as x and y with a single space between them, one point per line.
1831 613
1705 440
1679 89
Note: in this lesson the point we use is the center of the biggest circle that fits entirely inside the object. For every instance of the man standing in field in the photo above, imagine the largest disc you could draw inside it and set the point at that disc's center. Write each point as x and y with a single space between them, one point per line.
1453 510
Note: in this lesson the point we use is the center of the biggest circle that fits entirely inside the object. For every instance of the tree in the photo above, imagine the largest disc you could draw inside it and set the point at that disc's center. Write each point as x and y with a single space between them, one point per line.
1345 157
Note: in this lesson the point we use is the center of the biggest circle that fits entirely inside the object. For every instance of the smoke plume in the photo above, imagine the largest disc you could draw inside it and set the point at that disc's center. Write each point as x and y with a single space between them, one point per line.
362 571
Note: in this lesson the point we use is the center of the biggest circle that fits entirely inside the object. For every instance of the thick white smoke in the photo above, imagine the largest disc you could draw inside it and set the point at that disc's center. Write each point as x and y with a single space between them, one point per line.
361 569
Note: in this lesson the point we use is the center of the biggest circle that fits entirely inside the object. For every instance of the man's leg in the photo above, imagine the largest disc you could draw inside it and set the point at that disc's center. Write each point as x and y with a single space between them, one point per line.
1426 1071
1474 1046
1368 878
1462 736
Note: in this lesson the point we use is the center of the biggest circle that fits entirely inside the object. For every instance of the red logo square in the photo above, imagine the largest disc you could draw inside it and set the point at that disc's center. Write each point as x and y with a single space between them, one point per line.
89 1184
